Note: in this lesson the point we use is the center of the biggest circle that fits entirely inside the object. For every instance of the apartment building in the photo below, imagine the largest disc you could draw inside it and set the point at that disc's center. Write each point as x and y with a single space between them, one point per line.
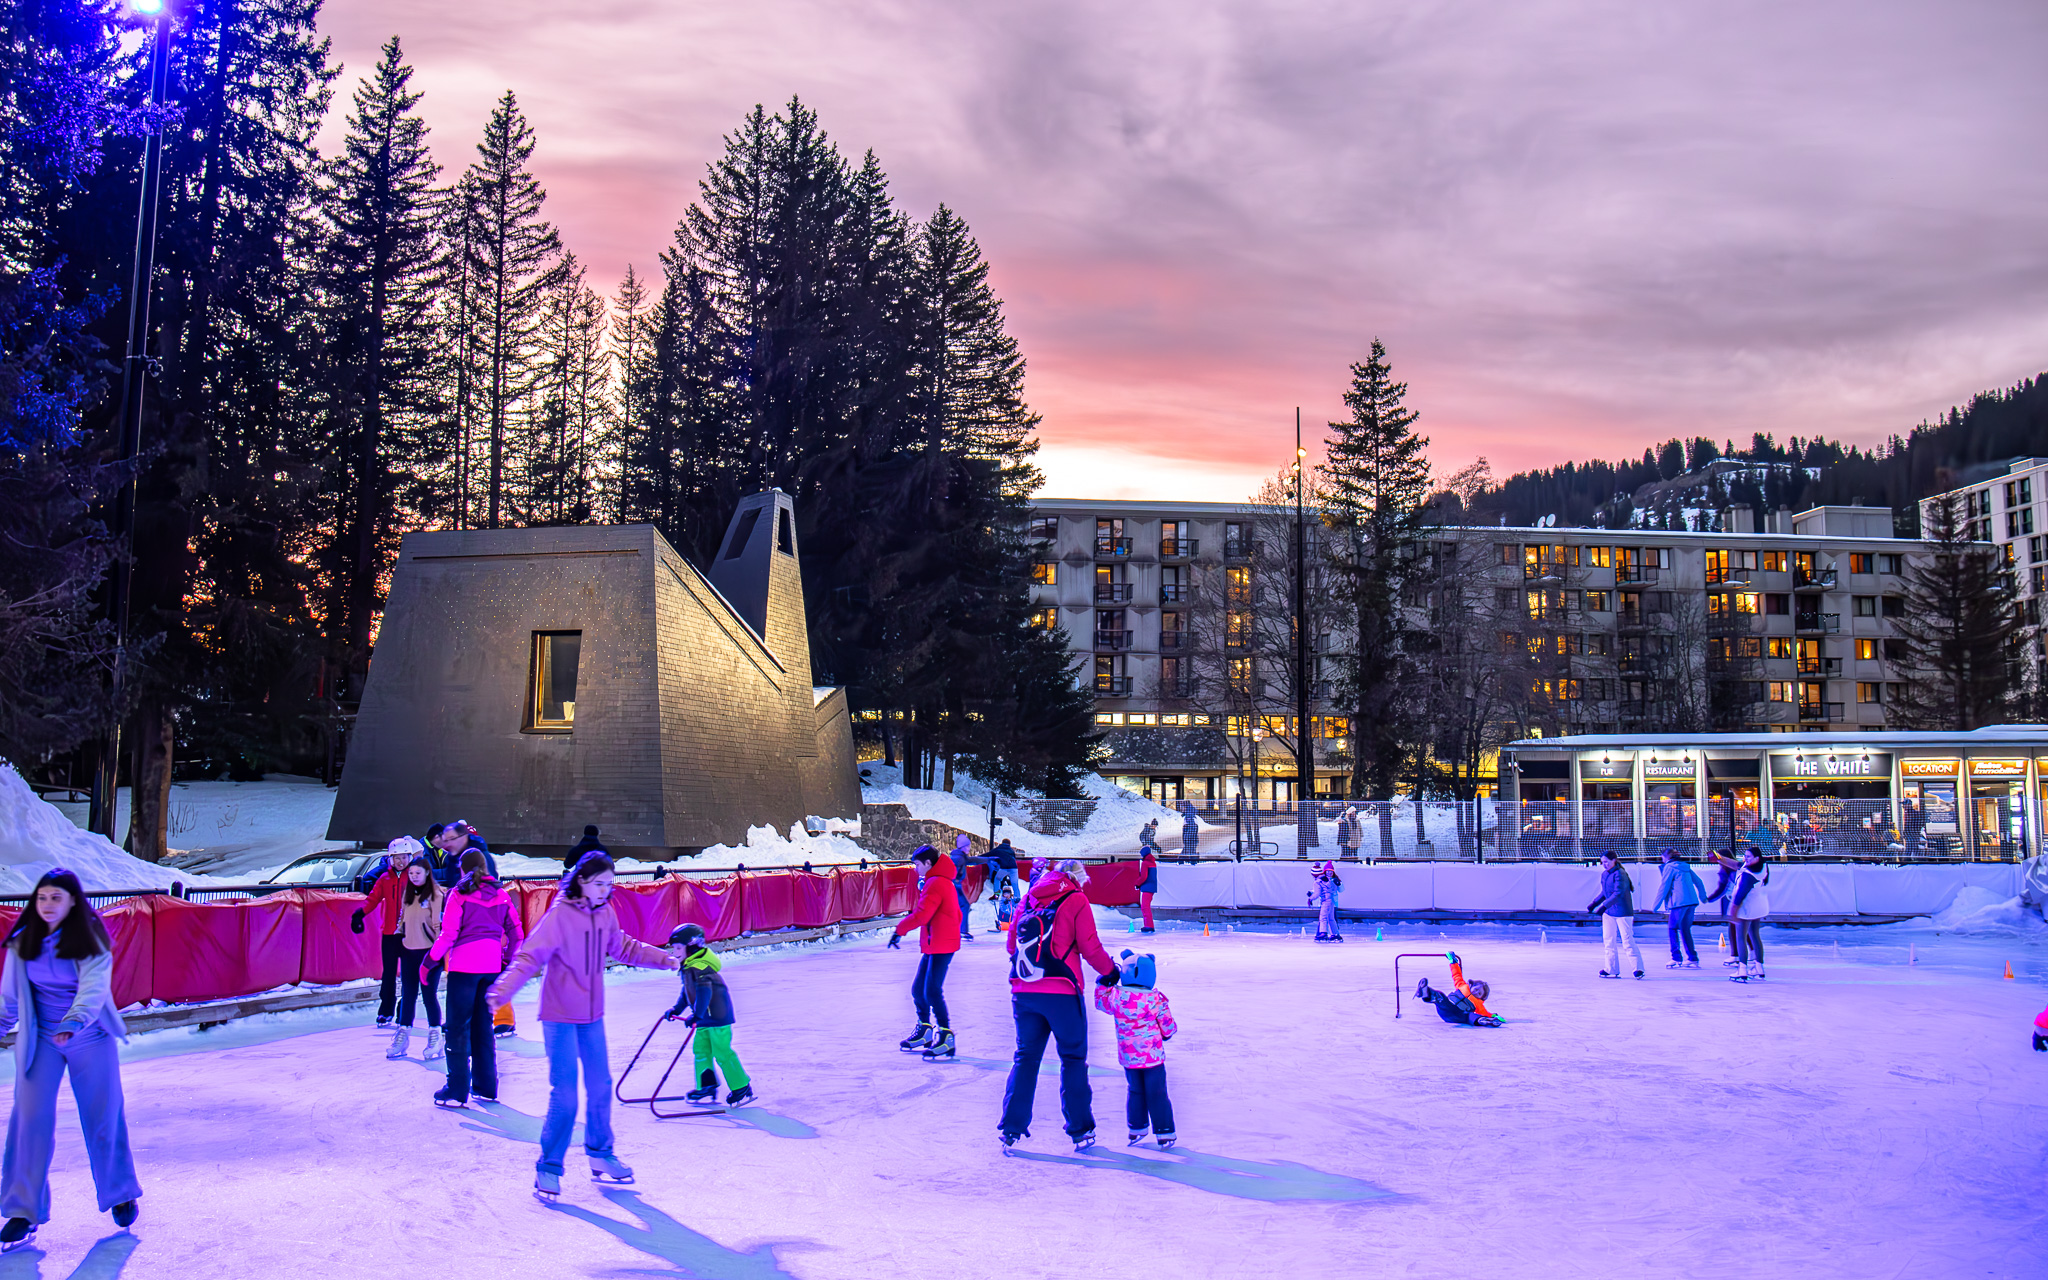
1795 626
2007 508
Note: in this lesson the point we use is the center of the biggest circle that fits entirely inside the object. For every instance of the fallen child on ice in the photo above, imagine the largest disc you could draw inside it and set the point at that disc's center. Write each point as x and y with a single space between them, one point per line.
1468 1006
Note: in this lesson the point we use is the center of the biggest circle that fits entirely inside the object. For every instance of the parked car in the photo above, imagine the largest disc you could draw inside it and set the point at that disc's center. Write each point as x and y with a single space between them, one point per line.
342 869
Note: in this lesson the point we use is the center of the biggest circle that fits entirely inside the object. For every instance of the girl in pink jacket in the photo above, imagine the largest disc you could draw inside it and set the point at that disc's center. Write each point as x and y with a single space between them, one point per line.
571 943
479 931
1144 1023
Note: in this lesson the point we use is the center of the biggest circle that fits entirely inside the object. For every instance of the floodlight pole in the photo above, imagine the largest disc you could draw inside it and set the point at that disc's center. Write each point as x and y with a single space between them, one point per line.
1305 753
134 380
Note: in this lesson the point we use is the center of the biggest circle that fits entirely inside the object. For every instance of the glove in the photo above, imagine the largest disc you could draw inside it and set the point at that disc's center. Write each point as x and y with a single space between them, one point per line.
690 1020
1109 979
895 942
672 1015
355 922
1451 956
426 973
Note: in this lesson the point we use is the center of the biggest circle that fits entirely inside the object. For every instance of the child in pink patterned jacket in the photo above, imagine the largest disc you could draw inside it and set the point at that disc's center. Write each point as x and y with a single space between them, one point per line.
1144 1023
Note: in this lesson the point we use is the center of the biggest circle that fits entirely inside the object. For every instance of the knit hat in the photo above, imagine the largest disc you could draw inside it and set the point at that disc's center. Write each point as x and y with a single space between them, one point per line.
1134 969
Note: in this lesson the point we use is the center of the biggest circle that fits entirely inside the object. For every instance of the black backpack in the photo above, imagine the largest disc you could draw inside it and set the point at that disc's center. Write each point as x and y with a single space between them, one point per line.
1035 959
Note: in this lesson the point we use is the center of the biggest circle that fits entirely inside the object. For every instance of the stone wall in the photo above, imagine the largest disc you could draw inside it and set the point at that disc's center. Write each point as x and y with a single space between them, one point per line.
888 831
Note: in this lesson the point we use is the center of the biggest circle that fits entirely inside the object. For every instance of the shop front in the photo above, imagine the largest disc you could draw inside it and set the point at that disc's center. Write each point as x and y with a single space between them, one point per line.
1833 803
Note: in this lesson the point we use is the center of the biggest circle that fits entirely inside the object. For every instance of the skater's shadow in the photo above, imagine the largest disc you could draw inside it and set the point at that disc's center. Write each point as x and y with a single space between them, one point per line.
661 1236
104 1261
501 1121
1276 1180
1046 1067
770 1123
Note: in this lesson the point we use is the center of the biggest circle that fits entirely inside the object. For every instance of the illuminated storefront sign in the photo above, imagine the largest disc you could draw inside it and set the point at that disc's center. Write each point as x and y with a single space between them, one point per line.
1929 768
1673 770
1998 768
1802 765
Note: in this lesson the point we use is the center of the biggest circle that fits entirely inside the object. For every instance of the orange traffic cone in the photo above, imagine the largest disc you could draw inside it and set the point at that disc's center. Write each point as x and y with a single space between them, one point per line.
2008 971
1205 928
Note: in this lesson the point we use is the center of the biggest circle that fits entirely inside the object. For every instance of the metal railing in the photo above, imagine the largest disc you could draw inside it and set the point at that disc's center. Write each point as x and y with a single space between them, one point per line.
1173 593
1113 640
1813 580
1174 641
1820 711
1112 548
1237 549
1113 593
1825 622
1112 686
1820 666
1178 548
1630 575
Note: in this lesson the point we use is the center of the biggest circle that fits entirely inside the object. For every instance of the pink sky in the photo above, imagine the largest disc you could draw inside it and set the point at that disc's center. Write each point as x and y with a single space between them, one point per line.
1580 226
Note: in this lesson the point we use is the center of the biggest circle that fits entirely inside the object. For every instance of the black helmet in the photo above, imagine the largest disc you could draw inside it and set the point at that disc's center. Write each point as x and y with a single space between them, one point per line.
687 935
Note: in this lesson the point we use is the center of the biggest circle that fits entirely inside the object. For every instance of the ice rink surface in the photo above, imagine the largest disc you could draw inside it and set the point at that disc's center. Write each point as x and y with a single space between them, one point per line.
1852 1117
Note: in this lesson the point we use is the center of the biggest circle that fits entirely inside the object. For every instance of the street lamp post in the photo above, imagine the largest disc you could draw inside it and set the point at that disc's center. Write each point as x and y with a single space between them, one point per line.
134 377
1305 756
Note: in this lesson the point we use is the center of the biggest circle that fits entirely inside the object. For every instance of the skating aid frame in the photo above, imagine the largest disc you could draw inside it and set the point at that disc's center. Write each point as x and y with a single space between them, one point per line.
655 1099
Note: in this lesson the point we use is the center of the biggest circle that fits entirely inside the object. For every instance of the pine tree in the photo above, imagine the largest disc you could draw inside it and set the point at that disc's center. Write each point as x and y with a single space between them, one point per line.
1378 482
1958 629
378 280
571 433
512 258
629 344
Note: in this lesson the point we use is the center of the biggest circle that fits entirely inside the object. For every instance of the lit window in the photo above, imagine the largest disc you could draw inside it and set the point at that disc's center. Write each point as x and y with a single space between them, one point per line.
551 701
1045 573
1866 651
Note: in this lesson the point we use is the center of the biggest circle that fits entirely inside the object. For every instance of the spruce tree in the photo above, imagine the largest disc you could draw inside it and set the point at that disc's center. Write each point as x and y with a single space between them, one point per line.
512 259
1958 630
571 431
378 280
1378 483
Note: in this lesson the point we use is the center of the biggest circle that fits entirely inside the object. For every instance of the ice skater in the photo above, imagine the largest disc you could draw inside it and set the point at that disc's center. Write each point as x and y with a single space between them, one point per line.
705 1006
383 904
2041 1032
1327 886
1144 1023
1467 1006
1048 940
937 918
57 995
570 943
963 853
1747 901
1616 907
1190 831
1148 864
420 907
1679 897
479 933
1002 871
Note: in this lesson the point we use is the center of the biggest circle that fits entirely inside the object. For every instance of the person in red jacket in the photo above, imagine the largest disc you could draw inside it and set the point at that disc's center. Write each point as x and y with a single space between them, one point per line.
937 917
1048 940
383 903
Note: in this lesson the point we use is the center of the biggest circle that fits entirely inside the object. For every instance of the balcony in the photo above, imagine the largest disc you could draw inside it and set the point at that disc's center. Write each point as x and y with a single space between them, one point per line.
1813 580
1237 549
1817 623
1820 711
1631 618
1631 575
1634 664
1112 686
1112 593
1173 593
1178 548
1112 548
1176 688
1718 576
1542 571
1113 641
1175 641
1237 641
1820 666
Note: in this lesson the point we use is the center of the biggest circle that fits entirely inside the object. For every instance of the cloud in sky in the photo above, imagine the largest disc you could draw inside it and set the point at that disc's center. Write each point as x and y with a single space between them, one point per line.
1581 226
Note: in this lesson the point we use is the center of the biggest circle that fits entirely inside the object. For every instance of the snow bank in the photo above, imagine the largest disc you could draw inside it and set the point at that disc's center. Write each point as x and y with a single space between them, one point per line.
35 836
1112 828
239 831
1980 910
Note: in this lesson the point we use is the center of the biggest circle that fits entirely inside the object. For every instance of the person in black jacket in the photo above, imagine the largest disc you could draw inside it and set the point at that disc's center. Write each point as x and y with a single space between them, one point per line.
1002 869
706 1006
590 843
1616 907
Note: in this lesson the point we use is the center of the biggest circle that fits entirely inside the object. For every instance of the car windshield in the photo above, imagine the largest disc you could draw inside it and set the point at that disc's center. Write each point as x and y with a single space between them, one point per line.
318 871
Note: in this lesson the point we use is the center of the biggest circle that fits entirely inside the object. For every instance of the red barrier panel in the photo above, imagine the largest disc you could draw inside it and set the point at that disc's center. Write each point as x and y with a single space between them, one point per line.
331 951
1114 884
214 950
770 902
132 926
714 903
814 899
860 895
532 898
899 890
976 878
648 912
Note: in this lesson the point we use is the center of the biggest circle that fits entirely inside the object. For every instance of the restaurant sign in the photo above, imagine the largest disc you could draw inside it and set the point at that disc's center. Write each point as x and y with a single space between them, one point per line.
1674 770
1801 765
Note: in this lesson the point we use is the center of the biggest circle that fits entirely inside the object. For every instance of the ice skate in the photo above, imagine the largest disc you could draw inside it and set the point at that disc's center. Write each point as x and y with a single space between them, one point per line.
1639 975
1148 929
940 1047
384 1023
547 1187
1748 971
503 1032
742 1097
435 1049
1010 1139
2040 1043
17 1234
1166 1140
1692 964
124 1214
1675 964
1084 1142
399 1039
1422 989
706 1091
609 1169
1757 973
1605 974
444 1098
917 1039
1138 1136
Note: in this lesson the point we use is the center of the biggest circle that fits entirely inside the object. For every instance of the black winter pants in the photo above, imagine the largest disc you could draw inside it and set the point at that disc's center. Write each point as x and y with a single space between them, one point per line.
1147 1102
472 1054
928 988
1042 1016
409 987
387 985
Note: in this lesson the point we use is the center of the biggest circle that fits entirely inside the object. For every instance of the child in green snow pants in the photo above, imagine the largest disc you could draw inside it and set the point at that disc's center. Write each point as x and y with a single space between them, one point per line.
714 1044
706 1005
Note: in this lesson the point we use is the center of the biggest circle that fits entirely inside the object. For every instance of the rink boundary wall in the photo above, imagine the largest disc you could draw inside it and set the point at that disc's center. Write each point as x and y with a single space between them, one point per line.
1796 889
181 952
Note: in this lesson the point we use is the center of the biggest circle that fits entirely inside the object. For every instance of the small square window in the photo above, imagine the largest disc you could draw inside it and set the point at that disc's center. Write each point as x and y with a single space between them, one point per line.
551 697
1866 651
1866 606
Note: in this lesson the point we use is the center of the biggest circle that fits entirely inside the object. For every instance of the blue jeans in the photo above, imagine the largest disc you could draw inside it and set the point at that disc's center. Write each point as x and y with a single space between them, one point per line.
94 1061
568 1043
997 878
960 892
1679 926
1042 1016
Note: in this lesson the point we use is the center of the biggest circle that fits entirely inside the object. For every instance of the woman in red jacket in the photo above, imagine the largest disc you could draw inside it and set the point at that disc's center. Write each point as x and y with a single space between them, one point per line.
938 917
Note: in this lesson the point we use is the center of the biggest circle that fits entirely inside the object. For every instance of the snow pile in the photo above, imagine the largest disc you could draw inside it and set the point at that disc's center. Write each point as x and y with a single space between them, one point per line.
239 831
35 836
1980 910
1111 829
766 848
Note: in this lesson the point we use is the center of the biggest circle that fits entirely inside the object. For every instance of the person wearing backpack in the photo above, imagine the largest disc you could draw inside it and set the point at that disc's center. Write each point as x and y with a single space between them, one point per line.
937 917
1616 907
1048 940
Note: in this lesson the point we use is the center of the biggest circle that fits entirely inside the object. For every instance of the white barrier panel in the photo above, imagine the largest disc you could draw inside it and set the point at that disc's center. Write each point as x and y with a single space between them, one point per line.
1566 886
1387 887
1464 887
1200 884
1922 891
1803 890
1277 884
